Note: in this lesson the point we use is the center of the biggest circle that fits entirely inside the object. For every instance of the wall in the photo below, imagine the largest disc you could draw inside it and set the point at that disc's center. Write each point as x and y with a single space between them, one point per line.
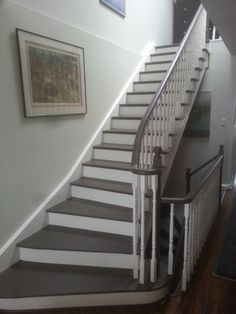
220 79
144 19
37 153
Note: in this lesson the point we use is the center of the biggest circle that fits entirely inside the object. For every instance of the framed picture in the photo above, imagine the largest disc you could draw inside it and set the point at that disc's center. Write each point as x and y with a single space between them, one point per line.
198 124
116 5
53 76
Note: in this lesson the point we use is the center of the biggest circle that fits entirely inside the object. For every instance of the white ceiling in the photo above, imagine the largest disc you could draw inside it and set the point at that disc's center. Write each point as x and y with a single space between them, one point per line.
223 15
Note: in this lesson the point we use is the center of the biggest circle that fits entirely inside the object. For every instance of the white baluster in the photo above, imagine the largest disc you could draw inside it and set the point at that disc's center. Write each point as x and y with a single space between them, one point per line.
142 245
185 264
171 237
153 273
135 225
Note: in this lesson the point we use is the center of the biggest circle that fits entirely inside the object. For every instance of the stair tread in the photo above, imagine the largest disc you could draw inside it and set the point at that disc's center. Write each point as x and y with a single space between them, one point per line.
121 131
127 117
167 46
140 93
100 163
147 82
134 105
81 207
158 62
115 146
27 279
105 185
148 72
162 54
70 239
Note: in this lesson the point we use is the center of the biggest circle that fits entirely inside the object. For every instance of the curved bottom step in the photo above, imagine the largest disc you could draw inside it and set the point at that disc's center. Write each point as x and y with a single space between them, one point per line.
28 286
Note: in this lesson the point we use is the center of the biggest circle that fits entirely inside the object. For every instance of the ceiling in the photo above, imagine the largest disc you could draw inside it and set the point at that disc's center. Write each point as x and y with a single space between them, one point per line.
223 15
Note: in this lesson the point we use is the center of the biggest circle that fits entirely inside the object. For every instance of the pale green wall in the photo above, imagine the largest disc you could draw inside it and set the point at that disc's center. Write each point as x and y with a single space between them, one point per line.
145 19
37 153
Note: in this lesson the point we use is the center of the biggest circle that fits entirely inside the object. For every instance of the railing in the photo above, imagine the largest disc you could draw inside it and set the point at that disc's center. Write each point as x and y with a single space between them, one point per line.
200 206
153 139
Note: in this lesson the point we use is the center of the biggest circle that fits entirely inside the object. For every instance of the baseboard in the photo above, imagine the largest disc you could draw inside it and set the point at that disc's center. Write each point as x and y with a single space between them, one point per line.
8 254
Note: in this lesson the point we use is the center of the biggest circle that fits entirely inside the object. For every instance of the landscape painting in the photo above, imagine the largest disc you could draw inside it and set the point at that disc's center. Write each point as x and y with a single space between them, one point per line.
53 76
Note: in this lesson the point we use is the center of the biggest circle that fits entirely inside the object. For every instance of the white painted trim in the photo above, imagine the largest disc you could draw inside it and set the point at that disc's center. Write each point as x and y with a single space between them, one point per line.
91 223
78 258
19 232
88 300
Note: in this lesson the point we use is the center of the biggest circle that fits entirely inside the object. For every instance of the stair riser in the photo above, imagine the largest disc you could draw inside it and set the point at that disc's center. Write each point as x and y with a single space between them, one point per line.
108 174
125 124
112 155
158 58
133 110
139 98
134 124
157 67
124 139
166 49
90 223
146 87
112 138
158 76
96 195
77 258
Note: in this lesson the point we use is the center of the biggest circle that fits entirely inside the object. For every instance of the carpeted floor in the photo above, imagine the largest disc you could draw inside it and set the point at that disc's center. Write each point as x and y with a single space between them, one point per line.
226 263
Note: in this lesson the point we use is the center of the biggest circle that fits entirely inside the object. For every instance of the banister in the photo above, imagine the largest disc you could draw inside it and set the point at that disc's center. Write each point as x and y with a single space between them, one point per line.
191 195
144 121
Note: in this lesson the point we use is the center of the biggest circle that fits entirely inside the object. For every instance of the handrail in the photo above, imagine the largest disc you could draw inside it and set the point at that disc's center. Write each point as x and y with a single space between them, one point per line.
190 173
191 195
144 121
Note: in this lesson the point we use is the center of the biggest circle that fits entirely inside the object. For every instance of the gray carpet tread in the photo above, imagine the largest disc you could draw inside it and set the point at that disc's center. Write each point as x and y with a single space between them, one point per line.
100 163
26 279
115 146
71 239
105 185
81 207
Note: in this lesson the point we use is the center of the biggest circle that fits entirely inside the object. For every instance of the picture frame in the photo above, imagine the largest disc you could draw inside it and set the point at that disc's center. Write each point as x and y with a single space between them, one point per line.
53 76
119 6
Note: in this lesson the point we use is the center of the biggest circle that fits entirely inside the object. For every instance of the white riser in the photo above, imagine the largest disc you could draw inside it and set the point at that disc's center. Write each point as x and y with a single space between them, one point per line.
167 49
127 139
157 67
162 58
134 124
139 98
119 199
90 223
108 174
133 110
152 76
125 124
112 138
146 87
77 258
113 155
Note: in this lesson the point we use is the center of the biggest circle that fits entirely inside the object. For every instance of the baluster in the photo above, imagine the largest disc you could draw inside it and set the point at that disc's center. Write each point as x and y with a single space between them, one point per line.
185 264
153 273
142 245
136 194
171 236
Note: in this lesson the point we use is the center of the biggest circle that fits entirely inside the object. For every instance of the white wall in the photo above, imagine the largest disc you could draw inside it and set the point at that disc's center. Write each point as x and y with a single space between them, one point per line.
37 153
220 79
145 19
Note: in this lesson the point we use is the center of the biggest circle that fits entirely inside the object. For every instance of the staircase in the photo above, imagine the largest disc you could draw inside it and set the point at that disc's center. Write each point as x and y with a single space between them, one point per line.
85 255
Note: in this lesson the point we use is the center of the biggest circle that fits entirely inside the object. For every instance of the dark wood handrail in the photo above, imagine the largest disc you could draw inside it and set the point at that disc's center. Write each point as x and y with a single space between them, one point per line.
144 121
191 195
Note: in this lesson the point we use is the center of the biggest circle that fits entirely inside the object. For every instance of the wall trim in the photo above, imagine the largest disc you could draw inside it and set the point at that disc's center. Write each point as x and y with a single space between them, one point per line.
6 251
